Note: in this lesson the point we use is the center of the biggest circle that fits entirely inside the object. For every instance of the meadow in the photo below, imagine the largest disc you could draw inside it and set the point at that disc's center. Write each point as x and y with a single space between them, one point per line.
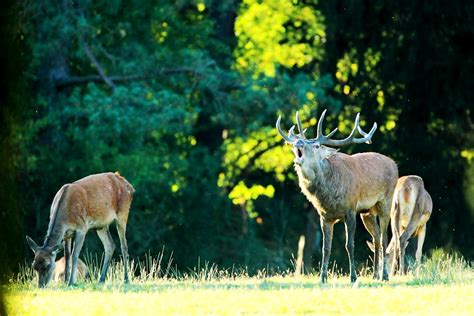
443 285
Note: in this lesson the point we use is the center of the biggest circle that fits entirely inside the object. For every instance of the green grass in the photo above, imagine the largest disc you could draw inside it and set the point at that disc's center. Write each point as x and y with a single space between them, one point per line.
444 284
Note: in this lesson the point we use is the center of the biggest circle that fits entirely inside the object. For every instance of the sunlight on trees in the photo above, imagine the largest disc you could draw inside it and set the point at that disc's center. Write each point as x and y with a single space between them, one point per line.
261 150
244 196
272 33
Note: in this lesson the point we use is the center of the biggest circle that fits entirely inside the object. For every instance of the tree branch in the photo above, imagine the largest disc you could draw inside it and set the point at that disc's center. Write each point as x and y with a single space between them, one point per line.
74 80
94 61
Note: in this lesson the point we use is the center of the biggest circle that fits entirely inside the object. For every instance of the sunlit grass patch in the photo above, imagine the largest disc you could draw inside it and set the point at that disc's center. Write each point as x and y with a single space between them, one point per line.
444 268
274 296
443 285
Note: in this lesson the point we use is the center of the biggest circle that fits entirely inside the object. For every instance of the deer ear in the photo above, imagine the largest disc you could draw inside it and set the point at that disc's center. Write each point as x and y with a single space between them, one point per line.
32 244
57 248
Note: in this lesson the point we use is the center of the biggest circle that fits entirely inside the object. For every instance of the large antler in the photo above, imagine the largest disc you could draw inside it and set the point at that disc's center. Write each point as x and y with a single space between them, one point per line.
326 139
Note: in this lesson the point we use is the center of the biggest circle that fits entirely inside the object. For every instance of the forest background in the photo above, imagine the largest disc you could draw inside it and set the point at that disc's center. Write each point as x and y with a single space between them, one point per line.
181 98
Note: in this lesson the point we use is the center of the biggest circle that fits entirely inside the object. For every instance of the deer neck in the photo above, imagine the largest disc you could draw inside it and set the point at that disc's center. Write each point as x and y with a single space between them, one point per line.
314 172
56 231
322 171
316 184
57 220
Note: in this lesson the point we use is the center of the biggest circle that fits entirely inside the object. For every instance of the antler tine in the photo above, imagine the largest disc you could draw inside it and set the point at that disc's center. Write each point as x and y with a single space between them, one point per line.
356 124
290 138
350 139
319 129
291 132
320 137
332 133
300 126
367 136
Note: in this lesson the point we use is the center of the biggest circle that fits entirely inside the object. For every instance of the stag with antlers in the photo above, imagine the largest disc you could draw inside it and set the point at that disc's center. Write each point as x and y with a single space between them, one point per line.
339 186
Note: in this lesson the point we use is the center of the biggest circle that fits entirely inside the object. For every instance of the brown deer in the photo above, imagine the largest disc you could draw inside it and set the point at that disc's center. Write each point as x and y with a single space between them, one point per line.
60 270
93 202
339 186
411 210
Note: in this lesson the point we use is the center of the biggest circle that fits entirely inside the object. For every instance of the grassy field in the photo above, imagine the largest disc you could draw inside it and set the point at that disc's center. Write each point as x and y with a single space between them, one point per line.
443 285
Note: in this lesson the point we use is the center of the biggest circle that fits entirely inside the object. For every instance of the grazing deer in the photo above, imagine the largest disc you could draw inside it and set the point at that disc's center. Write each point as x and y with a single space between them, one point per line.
411 210
93 202
339 186
60 269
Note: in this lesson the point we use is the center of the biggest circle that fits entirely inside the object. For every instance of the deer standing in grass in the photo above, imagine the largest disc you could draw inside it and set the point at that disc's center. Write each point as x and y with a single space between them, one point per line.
93 202
411 210
339 186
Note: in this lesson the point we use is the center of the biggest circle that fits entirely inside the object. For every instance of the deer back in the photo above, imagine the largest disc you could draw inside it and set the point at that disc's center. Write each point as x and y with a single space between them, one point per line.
411 196
95 201
375 176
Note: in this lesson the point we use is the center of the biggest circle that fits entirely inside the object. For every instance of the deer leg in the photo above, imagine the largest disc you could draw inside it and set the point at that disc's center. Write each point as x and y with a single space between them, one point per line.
390 252
109 248
78 243
67 255
421 240
391 255
370 223
350 224
121 229
395 223
410 251
403 242
384 220
327 229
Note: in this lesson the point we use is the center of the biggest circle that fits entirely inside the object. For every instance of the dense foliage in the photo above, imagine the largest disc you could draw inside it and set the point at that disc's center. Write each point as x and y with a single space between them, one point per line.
181 98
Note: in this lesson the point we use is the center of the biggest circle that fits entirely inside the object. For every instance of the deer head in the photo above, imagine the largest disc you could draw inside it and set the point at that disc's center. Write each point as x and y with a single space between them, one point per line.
44 261
309 151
